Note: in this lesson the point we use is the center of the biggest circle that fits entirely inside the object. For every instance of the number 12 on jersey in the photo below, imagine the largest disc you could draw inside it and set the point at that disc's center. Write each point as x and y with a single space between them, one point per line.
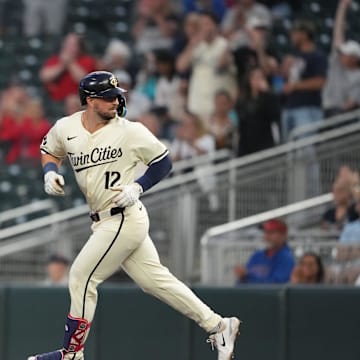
111 178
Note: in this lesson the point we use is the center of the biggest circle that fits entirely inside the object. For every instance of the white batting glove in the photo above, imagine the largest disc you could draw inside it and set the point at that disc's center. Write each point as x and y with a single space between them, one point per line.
53 183
128 194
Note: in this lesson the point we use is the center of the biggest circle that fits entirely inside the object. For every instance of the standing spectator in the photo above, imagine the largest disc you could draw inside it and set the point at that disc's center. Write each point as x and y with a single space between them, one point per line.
61 73
192 139
190 33
155 26
168 82
342 88
257 110
217 7
50 13
222 126
212 69
116 57
57 271
306 78
237 16
272 265
251 48
310 270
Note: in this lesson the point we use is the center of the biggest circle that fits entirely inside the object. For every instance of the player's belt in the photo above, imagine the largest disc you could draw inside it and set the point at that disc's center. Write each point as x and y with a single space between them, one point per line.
101 215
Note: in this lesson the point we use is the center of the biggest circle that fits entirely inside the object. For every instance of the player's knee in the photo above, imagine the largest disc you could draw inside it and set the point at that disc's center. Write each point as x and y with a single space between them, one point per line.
76 279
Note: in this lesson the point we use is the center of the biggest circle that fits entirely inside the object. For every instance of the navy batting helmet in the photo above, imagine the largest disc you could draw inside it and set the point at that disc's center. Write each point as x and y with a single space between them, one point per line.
102 84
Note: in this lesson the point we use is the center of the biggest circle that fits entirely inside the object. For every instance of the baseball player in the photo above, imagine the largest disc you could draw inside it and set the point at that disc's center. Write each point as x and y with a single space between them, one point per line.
103 149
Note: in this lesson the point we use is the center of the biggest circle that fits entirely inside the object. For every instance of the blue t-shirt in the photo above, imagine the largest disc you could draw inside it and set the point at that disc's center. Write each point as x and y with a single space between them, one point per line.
308 65
263 268
351 233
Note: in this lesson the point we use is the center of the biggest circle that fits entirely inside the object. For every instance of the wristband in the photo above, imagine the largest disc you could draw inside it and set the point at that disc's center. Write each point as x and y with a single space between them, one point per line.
50 166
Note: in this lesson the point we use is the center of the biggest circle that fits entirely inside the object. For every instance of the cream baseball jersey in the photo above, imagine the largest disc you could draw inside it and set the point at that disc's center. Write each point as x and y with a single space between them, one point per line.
105 158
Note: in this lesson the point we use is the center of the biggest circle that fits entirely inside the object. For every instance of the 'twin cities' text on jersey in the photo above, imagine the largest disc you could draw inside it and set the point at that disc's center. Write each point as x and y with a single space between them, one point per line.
98 156
105 158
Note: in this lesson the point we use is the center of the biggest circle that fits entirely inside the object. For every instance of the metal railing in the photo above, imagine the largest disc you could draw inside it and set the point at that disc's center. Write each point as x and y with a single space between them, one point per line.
225 246
183 207
20 212
326 124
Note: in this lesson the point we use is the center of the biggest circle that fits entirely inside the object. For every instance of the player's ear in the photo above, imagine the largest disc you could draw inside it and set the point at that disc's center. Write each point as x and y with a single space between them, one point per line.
89 100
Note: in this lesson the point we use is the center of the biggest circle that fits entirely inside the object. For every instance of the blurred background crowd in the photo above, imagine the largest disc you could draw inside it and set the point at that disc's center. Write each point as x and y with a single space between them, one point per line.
202 75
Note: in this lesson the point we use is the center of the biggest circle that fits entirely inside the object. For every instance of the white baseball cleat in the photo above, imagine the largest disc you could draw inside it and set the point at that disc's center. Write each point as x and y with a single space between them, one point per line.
224 340
59 355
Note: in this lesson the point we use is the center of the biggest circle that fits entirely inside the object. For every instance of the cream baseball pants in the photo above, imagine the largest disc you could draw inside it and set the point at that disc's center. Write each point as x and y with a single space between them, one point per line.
123 241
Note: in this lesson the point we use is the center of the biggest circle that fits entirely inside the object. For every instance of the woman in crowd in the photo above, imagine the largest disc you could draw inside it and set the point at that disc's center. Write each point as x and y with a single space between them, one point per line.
222 123
309 270
258 109
192 138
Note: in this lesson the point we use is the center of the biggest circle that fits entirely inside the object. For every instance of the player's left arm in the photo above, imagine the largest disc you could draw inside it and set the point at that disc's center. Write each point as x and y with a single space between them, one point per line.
149 150
156 171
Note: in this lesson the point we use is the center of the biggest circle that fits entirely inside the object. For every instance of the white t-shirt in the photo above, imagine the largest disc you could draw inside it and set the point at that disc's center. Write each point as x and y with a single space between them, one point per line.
206 79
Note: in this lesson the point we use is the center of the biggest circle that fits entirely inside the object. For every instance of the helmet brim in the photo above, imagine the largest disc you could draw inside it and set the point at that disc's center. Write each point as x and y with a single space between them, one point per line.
110 93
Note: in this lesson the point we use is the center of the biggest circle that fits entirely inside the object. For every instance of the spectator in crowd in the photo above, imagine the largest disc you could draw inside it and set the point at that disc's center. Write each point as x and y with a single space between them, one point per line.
155 26
211 64
190 33
351 231
257 110
168 82
223 123
309 270
343 209
57 270
25 133
237 16
137 103
168 125
51 14
273 264
152 122
217 7
251 48
116 57
342 88
305 80
61 73
145 81
192 138
72 104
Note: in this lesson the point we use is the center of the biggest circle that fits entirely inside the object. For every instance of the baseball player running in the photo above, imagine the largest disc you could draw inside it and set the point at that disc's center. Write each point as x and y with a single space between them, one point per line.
103 149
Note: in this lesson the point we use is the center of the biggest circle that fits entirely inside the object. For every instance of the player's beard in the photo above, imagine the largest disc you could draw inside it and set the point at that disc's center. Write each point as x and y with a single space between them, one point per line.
106 115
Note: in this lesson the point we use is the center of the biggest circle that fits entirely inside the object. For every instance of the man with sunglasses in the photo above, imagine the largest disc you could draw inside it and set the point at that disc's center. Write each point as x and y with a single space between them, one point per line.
103 149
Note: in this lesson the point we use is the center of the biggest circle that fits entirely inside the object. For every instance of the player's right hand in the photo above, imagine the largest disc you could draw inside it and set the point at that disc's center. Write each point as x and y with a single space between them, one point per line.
54 183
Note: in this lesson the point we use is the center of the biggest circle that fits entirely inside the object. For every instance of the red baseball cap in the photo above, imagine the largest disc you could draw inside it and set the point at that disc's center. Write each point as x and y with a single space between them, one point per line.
275 225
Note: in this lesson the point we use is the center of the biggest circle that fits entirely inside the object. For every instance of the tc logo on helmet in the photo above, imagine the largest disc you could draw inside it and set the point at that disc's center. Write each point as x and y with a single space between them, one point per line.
113 81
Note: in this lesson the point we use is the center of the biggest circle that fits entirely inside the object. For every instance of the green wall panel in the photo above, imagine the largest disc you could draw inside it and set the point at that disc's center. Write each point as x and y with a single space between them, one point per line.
259 309
279 323
136 326
2 322
323 323
36 318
